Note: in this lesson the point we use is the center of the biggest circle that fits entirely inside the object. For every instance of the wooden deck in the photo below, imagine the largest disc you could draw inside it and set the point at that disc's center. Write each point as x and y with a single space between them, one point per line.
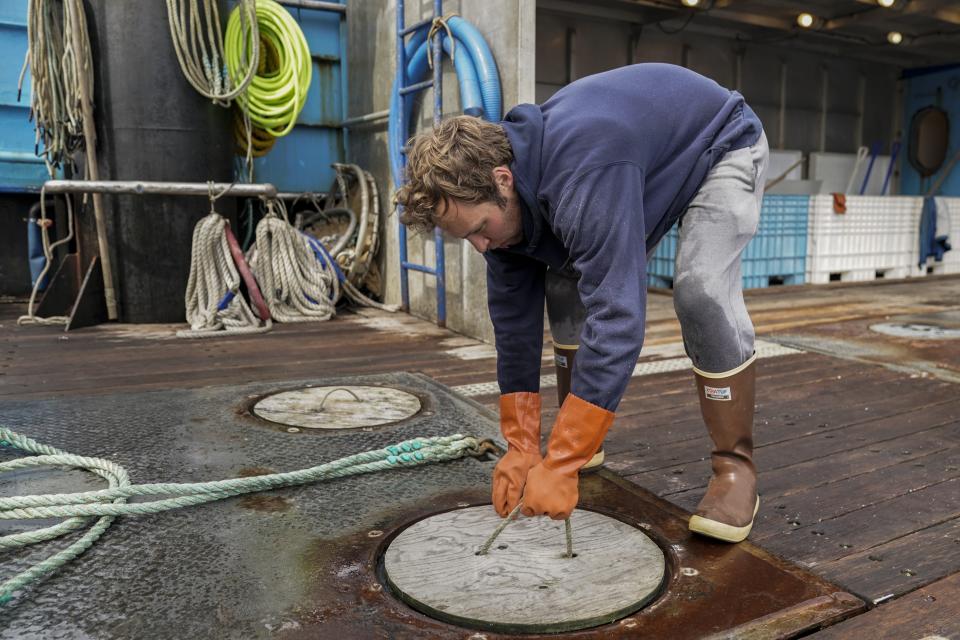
858 435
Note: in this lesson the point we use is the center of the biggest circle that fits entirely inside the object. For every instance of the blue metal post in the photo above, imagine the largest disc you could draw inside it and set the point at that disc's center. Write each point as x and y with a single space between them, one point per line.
402 126
437 116
344 104
404 91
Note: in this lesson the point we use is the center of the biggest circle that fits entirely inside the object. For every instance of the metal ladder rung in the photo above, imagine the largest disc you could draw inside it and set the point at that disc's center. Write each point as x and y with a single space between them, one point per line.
415 26
413 266
420 86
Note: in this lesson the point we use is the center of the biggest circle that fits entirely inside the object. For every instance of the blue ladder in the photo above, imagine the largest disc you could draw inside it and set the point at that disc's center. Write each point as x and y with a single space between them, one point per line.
405 91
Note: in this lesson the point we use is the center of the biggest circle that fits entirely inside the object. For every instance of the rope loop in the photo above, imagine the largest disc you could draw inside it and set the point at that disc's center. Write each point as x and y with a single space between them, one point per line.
485 547
435 27
213 198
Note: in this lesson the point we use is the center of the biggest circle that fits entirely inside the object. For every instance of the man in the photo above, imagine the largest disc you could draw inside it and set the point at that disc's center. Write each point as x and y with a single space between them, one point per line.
572 196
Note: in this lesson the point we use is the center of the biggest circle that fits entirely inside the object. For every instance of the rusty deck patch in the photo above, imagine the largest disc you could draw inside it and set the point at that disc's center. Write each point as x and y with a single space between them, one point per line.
304 562
713 589
935 352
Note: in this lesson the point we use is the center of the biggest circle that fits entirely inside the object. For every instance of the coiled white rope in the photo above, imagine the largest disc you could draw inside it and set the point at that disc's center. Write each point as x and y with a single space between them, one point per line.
202 59
214 277
298 283
355 255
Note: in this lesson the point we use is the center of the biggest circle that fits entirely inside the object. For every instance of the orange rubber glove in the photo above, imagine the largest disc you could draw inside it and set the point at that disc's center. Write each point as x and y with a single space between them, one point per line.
520 425
552 487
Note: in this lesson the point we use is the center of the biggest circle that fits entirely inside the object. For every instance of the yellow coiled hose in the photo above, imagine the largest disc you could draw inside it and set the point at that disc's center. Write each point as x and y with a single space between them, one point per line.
278 91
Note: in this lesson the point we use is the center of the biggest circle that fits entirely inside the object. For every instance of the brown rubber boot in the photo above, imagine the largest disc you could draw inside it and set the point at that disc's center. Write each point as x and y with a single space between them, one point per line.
727 404
563 357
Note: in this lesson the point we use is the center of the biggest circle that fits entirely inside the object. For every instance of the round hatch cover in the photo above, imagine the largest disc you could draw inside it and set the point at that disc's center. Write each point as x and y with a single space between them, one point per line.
525 583
915 331
345 407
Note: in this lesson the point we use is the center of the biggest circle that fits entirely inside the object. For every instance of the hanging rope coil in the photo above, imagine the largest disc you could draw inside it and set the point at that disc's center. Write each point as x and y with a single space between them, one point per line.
299 283
108 503
60 70
57 70
355 249
440 24
198 43
213 301
249 140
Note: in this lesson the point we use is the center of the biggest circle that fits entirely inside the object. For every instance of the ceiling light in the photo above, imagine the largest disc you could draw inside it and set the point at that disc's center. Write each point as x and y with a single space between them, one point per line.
894 37
805 20
690 3
886 4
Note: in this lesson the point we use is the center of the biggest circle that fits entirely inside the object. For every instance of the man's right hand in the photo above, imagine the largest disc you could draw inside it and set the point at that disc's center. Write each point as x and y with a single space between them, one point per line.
520 425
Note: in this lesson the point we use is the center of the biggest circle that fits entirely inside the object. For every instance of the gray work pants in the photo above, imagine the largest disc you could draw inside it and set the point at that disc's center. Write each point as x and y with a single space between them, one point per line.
708 287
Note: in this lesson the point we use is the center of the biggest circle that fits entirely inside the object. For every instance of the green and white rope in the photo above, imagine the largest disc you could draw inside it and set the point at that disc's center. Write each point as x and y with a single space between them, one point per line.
108 503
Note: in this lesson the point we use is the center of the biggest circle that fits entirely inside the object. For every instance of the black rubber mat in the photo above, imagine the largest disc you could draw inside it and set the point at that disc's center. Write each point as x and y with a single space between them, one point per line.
238 568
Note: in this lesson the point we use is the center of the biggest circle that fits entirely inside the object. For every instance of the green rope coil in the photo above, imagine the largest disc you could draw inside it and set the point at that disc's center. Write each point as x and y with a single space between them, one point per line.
278 91
106 504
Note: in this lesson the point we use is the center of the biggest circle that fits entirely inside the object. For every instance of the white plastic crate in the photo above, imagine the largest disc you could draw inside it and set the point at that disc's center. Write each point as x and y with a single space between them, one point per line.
948 210
877 237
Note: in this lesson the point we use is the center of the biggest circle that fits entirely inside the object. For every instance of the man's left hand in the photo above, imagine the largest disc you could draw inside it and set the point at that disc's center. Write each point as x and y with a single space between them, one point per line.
552 486
550 493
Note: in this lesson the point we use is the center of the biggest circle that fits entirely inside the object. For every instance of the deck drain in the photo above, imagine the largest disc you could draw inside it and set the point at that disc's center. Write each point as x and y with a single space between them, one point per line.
344 407
524 584
915 331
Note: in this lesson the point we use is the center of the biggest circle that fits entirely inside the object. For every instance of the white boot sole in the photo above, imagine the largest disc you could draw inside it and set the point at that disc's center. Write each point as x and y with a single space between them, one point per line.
721 531
595 462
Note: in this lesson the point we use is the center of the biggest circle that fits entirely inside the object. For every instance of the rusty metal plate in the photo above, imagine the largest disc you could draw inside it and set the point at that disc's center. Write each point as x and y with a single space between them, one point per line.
925 353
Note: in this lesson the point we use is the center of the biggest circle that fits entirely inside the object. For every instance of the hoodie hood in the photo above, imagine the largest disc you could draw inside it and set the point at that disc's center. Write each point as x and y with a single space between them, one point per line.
524 129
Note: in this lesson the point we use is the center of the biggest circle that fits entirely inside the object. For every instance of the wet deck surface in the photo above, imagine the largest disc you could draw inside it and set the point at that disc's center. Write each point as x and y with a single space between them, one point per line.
858 435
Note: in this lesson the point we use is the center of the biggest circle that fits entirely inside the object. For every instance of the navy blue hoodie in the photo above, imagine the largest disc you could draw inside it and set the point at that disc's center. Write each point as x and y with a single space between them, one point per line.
603 169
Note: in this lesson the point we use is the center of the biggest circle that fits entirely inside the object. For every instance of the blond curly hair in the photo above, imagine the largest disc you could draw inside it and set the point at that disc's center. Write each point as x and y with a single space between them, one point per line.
455 160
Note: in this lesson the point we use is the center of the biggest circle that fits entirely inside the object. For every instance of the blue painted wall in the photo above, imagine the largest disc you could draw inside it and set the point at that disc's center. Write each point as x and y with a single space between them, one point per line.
20 169
921 91
300 161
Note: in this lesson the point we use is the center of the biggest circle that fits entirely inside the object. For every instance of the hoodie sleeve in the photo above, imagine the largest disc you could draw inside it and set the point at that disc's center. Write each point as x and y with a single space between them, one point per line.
600 220
515 296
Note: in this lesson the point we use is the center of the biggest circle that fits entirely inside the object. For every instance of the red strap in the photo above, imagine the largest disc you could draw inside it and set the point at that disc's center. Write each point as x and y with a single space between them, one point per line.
247 276
839 203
